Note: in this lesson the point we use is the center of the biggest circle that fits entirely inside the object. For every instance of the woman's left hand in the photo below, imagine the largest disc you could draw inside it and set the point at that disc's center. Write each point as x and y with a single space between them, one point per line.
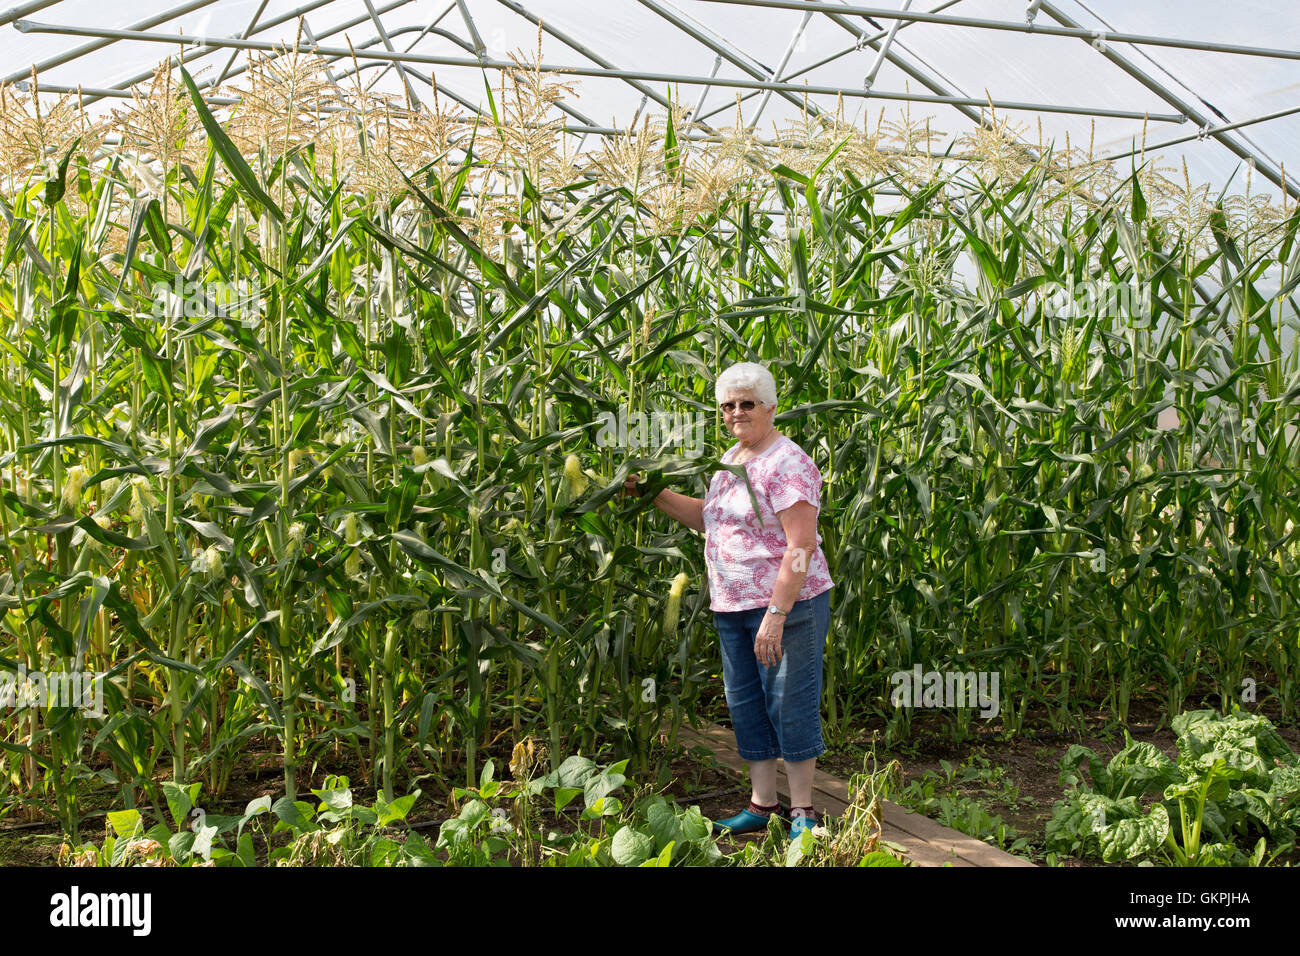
767 645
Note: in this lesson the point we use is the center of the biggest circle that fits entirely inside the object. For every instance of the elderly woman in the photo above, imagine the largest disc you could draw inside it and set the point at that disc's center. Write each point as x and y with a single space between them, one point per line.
769 588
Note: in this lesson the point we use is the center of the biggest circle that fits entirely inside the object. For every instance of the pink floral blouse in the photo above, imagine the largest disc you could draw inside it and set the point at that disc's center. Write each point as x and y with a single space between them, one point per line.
744 554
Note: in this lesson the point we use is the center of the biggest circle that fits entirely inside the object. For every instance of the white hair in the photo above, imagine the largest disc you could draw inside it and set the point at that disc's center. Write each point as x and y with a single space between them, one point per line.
746 376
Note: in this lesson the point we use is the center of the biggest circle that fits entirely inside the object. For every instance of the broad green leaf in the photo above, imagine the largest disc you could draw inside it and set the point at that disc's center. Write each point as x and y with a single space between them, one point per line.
231 158
630 847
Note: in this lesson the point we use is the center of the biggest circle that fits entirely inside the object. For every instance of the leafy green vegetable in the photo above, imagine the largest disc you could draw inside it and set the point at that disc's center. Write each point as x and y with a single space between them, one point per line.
1235 779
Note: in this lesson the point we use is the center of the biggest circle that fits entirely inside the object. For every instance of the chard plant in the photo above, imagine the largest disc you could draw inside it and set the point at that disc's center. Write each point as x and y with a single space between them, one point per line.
1231 798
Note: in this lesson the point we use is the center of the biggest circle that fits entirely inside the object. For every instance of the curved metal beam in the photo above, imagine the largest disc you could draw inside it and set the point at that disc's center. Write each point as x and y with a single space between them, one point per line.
577 46
106 38
865 40
1204 133
116 88
29 26
18 12
729 53
1266 169
1074 30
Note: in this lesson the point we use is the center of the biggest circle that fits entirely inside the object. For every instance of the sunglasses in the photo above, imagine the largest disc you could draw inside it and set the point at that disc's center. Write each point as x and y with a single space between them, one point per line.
745 406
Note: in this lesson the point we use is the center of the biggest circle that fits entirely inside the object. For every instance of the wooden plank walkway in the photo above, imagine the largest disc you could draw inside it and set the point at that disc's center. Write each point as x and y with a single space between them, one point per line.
926 842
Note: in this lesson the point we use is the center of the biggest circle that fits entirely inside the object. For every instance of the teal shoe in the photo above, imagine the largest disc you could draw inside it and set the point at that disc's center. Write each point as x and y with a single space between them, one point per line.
747 821
801 820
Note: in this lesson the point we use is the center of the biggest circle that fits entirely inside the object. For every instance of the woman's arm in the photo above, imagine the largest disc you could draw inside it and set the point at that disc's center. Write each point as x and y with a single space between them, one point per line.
689 511
799 522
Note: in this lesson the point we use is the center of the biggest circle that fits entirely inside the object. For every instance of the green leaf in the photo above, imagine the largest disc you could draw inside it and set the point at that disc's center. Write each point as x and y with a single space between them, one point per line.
180 800
564 796
1134 838
297 814
663 824
125 823
781 169
474 812
63 320
799 848
672 154
180 846
880 858
255 808
230 155
340 800
695 826
631 847
55 188
665 857
575 771
601 785
1139 202
18 233
244 850
397 810
401 502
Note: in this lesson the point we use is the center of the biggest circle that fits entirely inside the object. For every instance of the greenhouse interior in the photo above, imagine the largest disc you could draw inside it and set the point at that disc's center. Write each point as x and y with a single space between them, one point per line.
451 432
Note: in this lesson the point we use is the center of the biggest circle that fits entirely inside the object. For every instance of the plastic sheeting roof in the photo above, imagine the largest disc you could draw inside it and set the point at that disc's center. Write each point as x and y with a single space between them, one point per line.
1028 75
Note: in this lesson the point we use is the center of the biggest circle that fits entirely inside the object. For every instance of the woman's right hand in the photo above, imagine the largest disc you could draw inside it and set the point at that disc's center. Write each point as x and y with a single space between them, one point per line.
679 507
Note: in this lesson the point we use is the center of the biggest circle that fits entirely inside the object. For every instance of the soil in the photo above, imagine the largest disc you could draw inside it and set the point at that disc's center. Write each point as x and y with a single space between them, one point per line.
1026 767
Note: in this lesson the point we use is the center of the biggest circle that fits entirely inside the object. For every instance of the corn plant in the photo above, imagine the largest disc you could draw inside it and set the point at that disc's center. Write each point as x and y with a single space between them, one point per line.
302 408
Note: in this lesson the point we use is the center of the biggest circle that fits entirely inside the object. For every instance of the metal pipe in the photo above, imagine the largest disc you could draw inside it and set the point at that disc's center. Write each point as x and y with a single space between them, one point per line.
584 120
22 10
1092 36
306 28
1204 132
29 26
1173 99
100 93
279 49
579 47
388 45
195 54
105 39
423 33
884 50
704 91
728 51
779 74
863 40
248 31
479 46
915 72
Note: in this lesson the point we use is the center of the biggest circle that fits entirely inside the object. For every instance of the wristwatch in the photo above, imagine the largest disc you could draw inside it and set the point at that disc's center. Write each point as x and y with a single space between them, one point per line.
773 609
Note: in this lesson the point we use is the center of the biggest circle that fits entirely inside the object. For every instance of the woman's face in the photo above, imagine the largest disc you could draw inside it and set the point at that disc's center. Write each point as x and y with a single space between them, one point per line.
748 426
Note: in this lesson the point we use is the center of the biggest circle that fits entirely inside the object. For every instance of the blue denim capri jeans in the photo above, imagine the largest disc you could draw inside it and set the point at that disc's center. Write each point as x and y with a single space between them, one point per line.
776 711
